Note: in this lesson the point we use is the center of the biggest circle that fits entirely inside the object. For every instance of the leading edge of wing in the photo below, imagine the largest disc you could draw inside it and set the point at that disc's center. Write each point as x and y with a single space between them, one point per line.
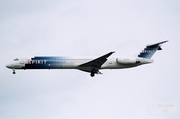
157 44
96 63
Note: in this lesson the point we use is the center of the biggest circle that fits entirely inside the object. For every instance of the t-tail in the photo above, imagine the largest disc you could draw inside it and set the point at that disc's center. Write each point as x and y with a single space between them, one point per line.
149 51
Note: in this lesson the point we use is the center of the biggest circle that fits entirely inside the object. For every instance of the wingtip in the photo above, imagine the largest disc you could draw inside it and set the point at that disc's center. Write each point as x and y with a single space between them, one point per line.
165 41
110 53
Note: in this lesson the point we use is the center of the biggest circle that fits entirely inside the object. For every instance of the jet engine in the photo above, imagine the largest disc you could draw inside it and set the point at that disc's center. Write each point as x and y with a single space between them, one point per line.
126 61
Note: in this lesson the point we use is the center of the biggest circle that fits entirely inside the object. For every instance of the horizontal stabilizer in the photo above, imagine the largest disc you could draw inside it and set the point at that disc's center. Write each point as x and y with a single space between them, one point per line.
149 51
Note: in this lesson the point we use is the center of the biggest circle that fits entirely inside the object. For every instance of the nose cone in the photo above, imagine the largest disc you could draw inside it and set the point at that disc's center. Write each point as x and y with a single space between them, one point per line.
10 66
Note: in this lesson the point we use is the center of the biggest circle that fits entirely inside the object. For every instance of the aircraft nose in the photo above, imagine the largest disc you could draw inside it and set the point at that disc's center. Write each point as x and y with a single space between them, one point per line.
9 66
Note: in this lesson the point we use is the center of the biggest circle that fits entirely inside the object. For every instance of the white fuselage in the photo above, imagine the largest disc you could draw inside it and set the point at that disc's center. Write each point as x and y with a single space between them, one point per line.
73 63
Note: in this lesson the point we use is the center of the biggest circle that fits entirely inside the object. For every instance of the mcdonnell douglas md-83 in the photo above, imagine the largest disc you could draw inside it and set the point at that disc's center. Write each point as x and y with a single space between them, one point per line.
86 64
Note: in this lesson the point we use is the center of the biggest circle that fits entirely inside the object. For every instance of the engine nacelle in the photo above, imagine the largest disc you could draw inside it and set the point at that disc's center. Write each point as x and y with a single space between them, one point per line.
126 61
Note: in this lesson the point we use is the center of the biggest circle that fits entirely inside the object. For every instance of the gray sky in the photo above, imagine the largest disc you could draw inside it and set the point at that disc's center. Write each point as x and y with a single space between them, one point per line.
90 28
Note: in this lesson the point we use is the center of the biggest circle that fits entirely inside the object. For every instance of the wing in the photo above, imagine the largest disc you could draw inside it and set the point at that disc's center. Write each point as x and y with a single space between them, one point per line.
95 64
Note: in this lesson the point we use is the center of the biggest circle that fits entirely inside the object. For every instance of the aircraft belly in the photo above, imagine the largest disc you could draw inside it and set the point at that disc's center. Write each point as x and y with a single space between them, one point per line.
69 66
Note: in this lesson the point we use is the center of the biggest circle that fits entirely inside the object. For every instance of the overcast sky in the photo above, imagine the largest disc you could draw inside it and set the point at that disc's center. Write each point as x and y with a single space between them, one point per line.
90 28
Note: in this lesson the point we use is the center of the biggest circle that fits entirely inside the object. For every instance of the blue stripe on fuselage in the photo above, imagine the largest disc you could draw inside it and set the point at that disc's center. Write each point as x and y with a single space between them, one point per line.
44 62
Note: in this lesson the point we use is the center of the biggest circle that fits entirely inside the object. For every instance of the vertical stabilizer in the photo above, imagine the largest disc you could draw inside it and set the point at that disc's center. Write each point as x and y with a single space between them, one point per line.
149 51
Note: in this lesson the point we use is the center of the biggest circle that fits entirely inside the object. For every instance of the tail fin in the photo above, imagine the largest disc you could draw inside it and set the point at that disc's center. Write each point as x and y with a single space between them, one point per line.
149 51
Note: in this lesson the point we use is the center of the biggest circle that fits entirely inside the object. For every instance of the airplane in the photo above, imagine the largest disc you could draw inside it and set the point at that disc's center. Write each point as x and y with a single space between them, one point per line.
86 64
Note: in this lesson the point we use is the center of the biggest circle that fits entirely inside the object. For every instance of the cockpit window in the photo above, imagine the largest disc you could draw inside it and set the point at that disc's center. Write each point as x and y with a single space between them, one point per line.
16 59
